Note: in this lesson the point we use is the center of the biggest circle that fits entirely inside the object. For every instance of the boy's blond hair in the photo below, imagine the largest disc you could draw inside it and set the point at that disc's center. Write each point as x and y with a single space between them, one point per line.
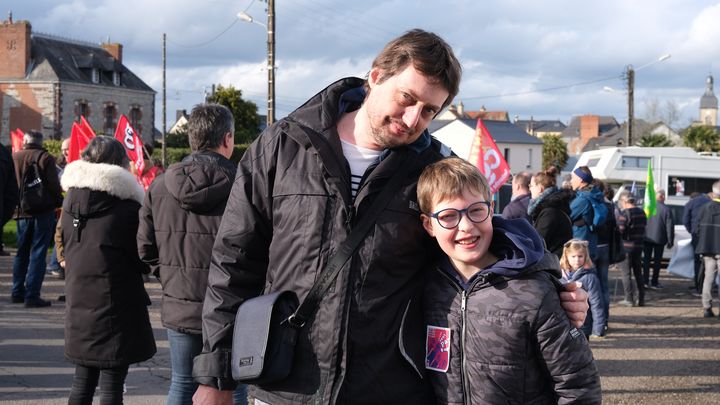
575 245
449 178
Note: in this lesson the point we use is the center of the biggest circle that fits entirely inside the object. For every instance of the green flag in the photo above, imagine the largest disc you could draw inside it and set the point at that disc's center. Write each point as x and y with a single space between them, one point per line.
649 203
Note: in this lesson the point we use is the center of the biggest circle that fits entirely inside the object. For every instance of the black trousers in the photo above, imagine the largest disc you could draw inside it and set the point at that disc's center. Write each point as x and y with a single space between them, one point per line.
652 252
86 379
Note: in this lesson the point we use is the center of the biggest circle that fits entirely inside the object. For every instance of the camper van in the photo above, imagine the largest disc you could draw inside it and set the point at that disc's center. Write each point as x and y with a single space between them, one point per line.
680 171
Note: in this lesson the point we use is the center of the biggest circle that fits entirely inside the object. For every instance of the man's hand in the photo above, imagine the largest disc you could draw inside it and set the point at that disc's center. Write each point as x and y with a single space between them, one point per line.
574 301
206 395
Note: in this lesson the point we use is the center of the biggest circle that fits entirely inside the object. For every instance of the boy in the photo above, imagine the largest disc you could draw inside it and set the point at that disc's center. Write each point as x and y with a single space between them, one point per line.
496 332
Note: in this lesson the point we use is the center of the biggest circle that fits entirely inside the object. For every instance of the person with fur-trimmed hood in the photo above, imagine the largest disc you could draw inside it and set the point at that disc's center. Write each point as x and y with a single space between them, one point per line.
107 326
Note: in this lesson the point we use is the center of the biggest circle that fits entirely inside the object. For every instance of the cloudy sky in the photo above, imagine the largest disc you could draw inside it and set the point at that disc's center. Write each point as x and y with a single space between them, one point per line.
512 51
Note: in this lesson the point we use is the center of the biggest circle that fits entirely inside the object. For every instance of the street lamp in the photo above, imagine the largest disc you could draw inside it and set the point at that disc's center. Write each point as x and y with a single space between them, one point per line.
630 77
270 28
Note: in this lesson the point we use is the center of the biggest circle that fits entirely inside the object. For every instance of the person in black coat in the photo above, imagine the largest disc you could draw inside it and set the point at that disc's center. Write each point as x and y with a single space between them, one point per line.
107 326
549 210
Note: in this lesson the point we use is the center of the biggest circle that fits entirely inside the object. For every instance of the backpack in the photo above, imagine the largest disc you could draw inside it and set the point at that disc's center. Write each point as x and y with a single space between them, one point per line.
32 192
600 214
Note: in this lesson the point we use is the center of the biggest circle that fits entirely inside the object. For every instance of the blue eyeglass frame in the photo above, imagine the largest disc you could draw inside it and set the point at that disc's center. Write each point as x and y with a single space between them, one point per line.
462 212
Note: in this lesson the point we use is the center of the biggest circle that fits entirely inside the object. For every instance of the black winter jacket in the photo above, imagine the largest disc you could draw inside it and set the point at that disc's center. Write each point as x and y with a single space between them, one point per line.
8 186
52 197
510 340
708 229
106 315
289 210
178 223
550 215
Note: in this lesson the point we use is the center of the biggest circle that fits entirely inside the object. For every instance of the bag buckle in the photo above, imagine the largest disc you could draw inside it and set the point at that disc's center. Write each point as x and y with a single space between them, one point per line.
293 321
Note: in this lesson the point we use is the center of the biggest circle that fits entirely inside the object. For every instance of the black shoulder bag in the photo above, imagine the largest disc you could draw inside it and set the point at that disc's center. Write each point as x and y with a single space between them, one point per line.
266 327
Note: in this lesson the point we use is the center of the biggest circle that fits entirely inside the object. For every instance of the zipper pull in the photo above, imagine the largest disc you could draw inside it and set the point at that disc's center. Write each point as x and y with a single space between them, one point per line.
463 301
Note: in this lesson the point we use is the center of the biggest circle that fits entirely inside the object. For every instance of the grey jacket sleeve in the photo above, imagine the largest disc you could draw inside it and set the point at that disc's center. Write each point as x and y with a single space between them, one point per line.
146 243
566 354
239 262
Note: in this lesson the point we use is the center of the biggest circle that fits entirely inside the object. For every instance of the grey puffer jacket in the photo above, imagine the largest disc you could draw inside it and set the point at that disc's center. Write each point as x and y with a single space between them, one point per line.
178 223
510 340
289 210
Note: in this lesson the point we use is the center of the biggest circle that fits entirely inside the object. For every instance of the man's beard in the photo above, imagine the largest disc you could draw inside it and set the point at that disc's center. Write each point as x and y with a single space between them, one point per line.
385 140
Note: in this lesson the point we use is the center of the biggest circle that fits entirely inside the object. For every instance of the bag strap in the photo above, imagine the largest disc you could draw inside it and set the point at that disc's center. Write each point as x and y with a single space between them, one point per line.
328 274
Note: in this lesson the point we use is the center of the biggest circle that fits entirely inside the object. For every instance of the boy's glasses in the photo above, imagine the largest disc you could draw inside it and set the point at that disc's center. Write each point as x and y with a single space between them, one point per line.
449 218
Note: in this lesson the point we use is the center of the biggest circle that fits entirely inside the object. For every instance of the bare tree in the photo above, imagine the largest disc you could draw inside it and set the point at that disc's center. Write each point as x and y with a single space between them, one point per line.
668 112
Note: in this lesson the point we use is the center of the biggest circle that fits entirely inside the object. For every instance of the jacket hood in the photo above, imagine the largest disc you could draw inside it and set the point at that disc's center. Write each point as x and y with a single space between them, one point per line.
591 193
551 198
92 182
519 248
201 181
111 179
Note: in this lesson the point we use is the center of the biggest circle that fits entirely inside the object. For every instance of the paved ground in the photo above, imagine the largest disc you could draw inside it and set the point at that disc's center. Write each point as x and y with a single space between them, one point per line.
664 353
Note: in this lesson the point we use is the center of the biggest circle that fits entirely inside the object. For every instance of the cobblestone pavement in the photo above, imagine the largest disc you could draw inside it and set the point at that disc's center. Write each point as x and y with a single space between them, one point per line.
663 353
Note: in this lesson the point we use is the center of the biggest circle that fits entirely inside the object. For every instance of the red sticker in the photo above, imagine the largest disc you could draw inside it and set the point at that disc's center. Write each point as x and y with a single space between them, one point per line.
437 348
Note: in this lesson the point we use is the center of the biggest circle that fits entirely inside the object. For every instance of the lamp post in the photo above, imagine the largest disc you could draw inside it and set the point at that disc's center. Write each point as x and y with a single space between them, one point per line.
630 77
270 28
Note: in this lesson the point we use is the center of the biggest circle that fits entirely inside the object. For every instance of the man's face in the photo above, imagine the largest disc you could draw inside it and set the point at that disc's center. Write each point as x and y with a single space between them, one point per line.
575 181
400 108
65 147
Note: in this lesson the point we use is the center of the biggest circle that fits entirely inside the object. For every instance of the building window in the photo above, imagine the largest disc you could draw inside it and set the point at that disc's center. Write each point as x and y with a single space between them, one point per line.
635 162
116 78
82 109
135 117
109 115
95 75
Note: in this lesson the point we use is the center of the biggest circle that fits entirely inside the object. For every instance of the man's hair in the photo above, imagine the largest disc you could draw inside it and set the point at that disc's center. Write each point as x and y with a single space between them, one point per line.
716 188
428 53
33 137
105 149
627 196
207 126
660 191
449 178
523 179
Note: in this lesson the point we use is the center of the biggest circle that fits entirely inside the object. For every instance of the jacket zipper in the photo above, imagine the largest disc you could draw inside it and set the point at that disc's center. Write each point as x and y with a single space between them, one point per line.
463 374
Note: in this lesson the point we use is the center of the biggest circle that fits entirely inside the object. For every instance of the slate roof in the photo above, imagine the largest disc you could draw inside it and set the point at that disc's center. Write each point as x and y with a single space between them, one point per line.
57 59
504 131
606 123
541 125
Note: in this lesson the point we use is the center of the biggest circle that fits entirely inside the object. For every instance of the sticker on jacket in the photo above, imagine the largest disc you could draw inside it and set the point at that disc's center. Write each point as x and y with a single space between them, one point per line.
437 348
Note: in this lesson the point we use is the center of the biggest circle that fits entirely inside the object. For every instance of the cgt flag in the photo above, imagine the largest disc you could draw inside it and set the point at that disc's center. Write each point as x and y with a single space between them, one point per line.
649 203
486 156
132 143
16 139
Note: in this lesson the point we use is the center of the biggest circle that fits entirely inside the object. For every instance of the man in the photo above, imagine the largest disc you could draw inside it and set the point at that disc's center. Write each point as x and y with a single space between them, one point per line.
660 232
54 268
292 205
8 190
178 223
518 206
708 245
34 227
690 221
631 222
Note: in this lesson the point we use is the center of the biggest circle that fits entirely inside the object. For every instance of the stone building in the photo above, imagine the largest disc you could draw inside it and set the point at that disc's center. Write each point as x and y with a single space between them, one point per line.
47 82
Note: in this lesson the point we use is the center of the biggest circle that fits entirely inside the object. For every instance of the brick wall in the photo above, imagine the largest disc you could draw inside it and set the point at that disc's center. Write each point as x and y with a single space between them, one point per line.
14 49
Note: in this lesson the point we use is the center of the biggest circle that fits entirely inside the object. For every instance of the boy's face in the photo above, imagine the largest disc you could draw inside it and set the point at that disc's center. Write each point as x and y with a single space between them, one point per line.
466 244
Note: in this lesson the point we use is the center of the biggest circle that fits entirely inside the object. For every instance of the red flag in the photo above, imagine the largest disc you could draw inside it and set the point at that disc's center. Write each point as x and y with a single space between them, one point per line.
148 177
78 141
132 143
86 128
16 139
486 156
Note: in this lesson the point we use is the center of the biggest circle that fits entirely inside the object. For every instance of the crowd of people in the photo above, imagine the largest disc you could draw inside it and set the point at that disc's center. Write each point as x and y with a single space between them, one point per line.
438 278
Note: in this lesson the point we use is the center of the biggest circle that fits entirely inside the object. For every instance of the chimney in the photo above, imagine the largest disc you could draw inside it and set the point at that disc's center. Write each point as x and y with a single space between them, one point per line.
113 49
589 128
15 49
